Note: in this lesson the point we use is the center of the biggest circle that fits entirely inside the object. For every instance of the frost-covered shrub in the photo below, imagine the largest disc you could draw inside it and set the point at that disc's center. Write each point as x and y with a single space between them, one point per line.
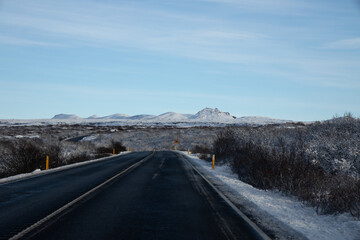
203 152
318 163
118 146
113 146
335 145
81 157
225 144
24 156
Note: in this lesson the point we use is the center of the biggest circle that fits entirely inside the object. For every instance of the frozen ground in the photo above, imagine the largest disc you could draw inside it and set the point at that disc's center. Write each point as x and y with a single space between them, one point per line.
136 137
284 209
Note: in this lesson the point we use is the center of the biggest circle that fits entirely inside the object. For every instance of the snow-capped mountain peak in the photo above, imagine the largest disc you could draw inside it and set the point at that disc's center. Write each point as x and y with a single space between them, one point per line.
172 116
213 115
66 116
93 116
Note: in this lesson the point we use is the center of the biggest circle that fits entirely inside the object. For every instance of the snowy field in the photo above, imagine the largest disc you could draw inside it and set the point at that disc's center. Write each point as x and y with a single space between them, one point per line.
136 137
287 210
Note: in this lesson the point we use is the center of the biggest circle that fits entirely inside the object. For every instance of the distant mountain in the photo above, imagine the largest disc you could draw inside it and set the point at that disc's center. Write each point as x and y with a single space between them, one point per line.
116 116
173 117
142 117
212 115
66 116
93 117
256 120
207 115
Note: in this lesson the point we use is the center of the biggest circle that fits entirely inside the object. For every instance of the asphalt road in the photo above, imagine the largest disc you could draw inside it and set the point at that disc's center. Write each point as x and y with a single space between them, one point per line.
163 198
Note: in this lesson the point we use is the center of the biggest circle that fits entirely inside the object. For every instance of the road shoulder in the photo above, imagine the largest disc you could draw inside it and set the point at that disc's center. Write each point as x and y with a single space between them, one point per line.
273 227
39 172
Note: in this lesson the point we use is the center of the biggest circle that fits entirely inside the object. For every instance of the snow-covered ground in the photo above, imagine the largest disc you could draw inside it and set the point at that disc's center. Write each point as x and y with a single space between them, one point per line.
287 210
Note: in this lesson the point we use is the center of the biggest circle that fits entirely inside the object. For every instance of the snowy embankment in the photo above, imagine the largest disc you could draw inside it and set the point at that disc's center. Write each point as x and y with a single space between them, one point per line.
287 210
43 172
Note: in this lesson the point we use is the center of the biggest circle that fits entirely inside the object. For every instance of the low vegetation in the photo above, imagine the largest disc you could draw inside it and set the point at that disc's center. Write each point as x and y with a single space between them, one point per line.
113 146
27 155
319 163
203 151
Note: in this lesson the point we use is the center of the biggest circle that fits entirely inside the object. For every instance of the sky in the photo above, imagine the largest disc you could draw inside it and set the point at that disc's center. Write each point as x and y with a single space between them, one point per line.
286 59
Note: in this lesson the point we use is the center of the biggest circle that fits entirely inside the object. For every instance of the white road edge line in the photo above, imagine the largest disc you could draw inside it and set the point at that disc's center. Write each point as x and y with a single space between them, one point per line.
250 223
68 205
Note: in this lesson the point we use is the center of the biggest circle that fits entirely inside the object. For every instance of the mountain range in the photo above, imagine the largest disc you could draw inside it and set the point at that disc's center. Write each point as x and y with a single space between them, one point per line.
205 115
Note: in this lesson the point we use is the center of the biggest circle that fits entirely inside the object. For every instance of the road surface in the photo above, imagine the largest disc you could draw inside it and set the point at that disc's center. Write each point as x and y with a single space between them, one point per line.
160 197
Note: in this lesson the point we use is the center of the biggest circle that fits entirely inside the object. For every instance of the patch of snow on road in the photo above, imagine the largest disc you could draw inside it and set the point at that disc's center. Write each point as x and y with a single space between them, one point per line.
293 213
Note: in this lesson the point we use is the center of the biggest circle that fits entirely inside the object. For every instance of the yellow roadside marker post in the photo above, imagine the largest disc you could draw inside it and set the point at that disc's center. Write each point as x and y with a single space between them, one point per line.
176 142
128 149
213 162
113 151
188 152
47 163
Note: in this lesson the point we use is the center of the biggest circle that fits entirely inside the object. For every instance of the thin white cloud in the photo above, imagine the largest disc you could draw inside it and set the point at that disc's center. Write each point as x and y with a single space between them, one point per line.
126 31
267 48
345 44
202 40
119 93
283 7
26 42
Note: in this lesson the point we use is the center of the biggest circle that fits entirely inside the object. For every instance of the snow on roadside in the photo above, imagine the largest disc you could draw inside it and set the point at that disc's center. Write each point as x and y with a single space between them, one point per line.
294 214
43 172
90 138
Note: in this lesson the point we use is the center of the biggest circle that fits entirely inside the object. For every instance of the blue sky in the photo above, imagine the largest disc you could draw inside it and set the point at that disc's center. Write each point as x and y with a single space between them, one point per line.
286 59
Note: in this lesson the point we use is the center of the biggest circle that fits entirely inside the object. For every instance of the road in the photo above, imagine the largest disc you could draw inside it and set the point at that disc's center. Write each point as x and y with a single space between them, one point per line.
162 197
